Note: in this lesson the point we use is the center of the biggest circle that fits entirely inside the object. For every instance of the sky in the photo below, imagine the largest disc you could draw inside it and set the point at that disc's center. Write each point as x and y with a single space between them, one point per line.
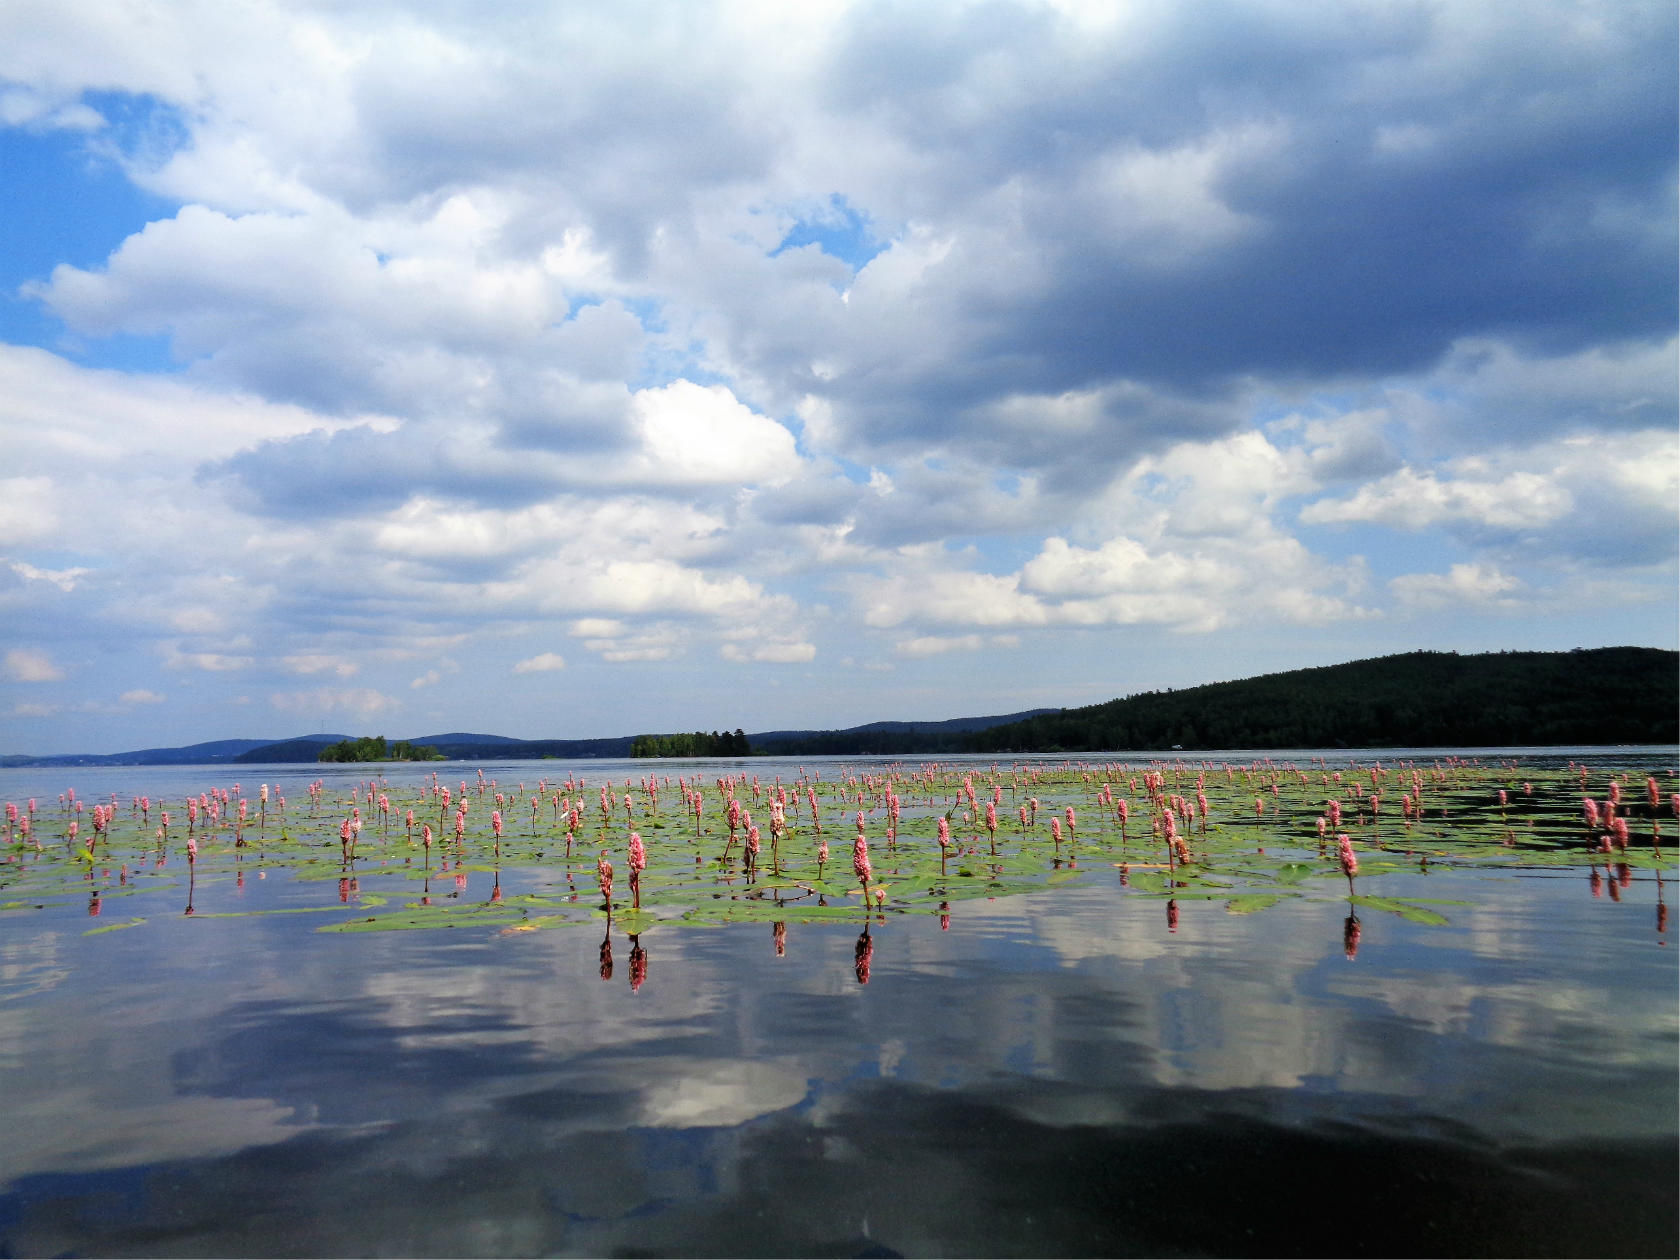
565 371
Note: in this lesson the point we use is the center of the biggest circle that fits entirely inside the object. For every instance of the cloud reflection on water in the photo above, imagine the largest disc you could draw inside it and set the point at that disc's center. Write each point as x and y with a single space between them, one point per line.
579 1113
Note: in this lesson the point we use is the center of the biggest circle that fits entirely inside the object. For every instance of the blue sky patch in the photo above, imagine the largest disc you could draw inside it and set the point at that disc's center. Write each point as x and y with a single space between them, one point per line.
68 201
839 231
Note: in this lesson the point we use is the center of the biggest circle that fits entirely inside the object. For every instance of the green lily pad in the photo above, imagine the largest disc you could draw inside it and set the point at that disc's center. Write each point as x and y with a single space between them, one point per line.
1411 911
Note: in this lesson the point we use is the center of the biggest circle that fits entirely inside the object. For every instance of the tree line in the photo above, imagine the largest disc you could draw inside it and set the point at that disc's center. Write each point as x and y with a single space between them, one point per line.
1417 699
374 748
692 744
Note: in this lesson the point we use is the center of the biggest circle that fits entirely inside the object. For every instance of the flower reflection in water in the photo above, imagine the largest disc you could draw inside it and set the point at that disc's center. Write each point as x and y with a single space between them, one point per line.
862 954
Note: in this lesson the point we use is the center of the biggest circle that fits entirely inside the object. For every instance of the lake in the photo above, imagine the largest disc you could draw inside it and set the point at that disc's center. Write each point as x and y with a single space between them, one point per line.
1087 1044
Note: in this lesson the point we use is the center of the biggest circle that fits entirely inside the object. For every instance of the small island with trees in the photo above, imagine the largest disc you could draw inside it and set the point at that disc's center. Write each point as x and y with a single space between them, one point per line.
692 744
374 748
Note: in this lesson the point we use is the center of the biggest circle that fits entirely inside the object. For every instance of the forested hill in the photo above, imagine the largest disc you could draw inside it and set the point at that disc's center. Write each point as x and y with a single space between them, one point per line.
882 739
1622 695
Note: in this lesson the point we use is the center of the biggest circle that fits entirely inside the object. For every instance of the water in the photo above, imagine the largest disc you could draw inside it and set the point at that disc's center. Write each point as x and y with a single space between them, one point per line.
1057 1073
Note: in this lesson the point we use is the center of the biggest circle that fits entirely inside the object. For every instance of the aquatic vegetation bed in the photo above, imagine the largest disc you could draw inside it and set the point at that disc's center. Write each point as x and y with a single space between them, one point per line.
674 851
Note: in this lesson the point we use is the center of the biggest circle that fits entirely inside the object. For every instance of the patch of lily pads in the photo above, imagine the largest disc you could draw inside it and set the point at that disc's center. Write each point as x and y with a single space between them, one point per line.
752 848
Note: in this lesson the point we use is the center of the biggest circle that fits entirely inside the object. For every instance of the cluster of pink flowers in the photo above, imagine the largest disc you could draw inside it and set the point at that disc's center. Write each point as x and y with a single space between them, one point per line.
1350 861
860 858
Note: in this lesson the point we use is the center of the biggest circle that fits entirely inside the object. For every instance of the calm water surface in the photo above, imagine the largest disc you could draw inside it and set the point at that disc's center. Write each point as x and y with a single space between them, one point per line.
1062 1073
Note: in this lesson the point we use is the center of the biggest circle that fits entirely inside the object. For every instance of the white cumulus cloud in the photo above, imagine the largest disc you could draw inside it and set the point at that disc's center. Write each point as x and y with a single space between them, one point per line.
1461 586
359 701
31 665
542 663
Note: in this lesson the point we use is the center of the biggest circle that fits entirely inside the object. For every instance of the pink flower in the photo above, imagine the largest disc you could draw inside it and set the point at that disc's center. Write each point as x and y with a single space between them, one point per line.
638 853
860 858
1350 861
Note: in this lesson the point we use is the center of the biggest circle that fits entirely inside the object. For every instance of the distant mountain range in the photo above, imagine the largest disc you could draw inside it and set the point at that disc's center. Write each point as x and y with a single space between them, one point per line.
469 746
1621 695
216 750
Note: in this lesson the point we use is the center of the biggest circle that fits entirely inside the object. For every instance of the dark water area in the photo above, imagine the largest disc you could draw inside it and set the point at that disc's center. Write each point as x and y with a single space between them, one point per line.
1070 1072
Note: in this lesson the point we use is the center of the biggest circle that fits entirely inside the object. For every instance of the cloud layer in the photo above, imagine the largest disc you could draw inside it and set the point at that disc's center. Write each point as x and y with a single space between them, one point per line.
797 368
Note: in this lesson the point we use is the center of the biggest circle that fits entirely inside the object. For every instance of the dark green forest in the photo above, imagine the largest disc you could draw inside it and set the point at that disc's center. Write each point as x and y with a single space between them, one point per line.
374 748
695 744
868 742
1622 695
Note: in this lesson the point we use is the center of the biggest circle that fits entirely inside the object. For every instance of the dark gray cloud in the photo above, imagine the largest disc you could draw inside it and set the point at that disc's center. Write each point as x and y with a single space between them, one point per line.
1389 191
361 472
621 122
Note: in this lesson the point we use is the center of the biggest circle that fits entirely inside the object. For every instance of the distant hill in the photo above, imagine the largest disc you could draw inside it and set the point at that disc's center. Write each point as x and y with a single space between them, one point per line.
464 737
1622 695
530 749
216 750
459 746
308 748
883 738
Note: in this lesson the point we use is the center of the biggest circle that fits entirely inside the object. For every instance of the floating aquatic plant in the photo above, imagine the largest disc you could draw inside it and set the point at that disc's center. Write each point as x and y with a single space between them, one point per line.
1248 835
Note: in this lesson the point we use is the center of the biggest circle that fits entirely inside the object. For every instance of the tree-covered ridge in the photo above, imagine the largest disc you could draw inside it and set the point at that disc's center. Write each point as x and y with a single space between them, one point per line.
1622 695
374 748
873 743
693 744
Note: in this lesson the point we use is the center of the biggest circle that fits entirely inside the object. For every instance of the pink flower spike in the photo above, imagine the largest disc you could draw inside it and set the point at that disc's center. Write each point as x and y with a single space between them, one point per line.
860 859
1350 861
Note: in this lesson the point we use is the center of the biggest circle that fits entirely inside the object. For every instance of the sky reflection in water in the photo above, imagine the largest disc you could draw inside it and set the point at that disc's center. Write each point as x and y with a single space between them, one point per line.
1058 1073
